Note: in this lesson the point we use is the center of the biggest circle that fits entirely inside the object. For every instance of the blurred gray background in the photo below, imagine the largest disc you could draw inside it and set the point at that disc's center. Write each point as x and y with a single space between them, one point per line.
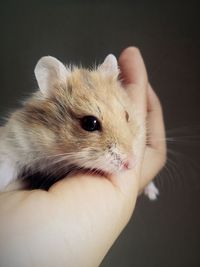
165 233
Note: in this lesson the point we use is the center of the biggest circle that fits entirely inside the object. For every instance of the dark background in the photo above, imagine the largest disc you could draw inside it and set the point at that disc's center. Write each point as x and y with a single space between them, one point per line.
161 233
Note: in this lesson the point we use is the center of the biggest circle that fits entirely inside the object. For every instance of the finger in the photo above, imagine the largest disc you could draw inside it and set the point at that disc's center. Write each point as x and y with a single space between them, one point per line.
155 152
153 162
132 67
134 77
155 122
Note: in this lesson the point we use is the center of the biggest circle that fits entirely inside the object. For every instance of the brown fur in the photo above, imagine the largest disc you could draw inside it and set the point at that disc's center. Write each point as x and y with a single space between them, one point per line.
85 93
47 126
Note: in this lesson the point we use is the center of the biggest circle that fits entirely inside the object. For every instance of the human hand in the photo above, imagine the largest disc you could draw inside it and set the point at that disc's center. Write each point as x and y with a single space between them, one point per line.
155 149
76 222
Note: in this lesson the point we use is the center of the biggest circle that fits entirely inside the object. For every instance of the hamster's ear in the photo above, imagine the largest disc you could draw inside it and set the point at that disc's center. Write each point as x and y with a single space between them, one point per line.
110 66
49 71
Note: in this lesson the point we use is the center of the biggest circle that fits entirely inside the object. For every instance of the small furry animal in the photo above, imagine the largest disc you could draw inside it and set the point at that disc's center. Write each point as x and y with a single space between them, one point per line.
79 119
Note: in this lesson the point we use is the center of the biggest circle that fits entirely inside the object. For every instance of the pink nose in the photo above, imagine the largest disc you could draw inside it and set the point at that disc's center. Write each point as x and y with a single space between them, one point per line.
128 164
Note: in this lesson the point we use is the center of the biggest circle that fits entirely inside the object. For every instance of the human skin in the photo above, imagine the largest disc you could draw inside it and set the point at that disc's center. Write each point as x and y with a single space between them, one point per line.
76 222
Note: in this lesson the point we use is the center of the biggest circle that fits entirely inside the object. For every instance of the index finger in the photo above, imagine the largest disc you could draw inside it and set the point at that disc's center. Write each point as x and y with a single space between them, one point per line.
132 67
134 77
156 128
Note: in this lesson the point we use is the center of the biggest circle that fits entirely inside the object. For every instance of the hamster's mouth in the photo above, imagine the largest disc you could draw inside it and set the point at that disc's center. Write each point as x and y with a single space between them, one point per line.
44 180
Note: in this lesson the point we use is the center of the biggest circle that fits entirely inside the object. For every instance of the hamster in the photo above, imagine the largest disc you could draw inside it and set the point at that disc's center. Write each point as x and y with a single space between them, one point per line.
78 119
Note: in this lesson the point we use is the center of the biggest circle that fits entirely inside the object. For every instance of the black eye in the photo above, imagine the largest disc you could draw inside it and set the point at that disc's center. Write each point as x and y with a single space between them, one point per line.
90 124
127 116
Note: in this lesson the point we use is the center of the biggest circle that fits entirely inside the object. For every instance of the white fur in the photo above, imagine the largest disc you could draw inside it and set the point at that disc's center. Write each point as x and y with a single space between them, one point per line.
110 66
8 173
48 72
151 191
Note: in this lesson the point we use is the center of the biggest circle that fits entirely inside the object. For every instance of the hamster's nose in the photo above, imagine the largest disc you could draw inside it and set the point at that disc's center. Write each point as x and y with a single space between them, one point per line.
128 163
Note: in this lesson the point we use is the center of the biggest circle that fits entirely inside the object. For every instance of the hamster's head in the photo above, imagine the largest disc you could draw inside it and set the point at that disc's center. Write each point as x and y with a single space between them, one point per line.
84 117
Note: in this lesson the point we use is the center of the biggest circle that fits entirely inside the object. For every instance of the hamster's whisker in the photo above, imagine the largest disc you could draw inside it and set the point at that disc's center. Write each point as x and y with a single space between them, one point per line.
52 156
170 178
184 128
177 139
173 170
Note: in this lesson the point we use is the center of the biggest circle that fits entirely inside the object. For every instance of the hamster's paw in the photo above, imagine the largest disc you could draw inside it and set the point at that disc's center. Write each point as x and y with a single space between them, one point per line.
151 191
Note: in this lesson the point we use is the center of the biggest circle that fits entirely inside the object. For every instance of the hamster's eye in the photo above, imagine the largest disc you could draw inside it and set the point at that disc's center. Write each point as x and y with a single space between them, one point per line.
90 124
127 116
